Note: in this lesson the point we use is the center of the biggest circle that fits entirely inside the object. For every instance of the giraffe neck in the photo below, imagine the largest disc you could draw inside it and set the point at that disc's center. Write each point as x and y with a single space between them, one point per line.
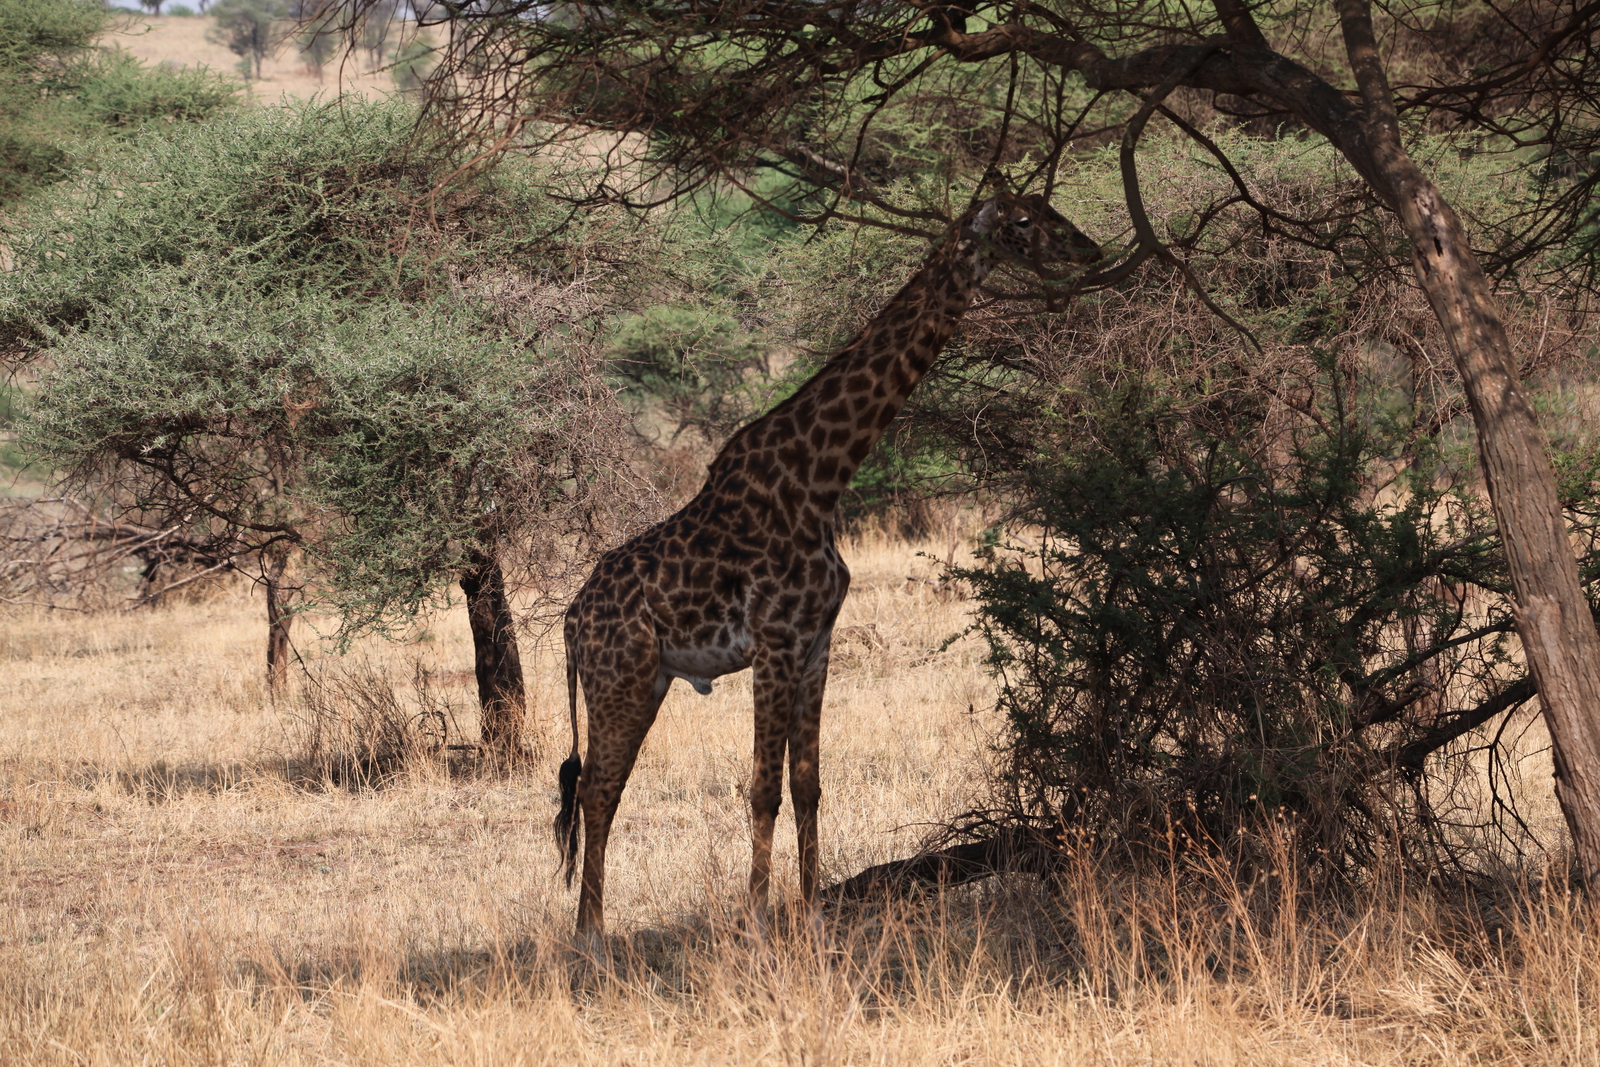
809 447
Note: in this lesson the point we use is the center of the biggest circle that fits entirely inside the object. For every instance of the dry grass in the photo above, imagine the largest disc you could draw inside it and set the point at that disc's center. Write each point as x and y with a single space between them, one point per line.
182 41
176 891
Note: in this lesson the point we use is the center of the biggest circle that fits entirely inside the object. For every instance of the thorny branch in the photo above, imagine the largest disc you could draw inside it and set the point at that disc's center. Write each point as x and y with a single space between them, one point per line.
713 92
59 552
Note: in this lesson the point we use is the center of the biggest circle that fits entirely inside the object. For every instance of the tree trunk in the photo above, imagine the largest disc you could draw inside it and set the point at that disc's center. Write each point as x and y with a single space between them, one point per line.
1553 616
497 662
280 599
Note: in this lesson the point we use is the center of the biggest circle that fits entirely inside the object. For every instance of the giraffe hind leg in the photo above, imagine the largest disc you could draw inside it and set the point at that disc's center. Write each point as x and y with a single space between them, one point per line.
622 707
805 779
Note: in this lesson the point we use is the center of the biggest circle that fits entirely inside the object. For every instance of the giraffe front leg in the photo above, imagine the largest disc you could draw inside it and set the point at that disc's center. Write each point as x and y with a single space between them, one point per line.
776 689
805 779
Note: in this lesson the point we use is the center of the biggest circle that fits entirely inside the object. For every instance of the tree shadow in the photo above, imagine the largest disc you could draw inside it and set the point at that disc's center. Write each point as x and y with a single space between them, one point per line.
321 772
885 947
657 956
164 781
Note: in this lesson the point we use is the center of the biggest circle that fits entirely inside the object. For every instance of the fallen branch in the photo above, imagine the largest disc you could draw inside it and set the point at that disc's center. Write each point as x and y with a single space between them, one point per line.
1010 849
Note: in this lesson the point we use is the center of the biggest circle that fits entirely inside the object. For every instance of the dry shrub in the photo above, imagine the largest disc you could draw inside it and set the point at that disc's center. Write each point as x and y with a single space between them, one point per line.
353 726
1190 967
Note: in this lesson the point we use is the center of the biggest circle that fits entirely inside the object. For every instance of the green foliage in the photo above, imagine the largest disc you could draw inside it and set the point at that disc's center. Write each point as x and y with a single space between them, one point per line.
171 376
412 63
12 460
694 365
59 91
904 469
424 433
699 353
41 35
329 199
846 105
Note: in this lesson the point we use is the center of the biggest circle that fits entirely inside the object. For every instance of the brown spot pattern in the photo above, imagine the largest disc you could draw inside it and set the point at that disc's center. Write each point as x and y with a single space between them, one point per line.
747 573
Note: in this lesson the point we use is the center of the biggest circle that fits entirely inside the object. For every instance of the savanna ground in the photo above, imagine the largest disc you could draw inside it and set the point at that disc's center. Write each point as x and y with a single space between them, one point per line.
181 886
181 40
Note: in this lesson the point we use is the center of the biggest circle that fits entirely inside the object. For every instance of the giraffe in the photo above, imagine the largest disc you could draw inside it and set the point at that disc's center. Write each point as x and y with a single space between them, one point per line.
747 574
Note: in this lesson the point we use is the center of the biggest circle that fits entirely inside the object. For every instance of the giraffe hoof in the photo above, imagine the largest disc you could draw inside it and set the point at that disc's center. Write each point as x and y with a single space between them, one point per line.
587 953
753 926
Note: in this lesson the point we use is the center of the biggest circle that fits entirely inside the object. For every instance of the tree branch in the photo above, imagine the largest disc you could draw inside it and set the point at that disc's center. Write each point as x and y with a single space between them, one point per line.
1411 755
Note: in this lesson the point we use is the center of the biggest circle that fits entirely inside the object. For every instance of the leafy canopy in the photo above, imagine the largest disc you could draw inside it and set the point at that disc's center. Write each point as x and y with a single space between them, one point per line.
278 329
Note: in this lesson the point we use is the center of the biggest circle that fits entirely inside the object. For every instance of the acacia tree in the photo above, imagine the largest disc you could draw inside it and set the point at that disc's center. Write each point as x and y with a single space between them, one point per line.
283 340
833 97
247 29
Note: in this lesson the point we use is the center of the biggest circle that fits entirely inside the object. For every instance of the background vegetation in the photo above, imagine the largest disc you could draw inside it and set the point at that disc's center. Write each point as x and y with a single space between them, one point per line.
63 95
1225 694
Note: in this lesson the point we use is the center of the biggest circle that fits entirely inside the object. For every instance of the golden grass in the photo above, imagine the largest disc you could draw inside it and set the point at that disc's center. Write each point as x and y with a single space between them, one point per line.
173 894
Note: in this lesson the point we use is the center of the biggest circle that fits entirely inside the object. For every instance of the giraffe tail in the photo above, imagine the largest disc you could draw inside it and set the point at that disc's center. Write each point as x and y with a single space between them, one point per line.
569 819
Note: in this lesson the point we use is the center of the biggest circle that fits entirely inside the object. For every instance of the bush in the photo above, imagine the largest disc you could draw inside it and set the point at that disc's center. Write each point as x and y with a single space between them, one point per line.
1222 617
692 364
59 92
353 727
120 95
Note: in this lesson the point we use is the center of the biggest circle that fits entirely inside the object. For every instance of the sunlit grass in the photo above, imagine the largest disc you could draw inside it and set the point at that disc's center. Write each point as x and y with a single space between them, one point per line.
177 891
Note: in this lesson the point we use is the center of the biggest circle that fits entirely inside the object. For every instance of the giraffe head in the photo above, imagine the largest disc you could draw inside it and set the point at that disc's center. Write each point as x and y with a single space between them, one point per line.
1026 229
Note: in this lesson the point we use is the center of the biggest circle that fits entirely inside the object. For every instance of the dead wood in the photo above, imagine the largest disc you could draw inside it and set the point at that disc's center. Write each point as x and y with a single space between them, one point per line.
1011 848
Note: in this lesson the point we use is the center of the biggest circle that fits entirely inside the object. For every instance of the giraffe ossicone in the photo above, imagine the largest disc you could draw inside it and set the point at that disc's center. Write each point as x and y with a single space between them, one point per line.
747 574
